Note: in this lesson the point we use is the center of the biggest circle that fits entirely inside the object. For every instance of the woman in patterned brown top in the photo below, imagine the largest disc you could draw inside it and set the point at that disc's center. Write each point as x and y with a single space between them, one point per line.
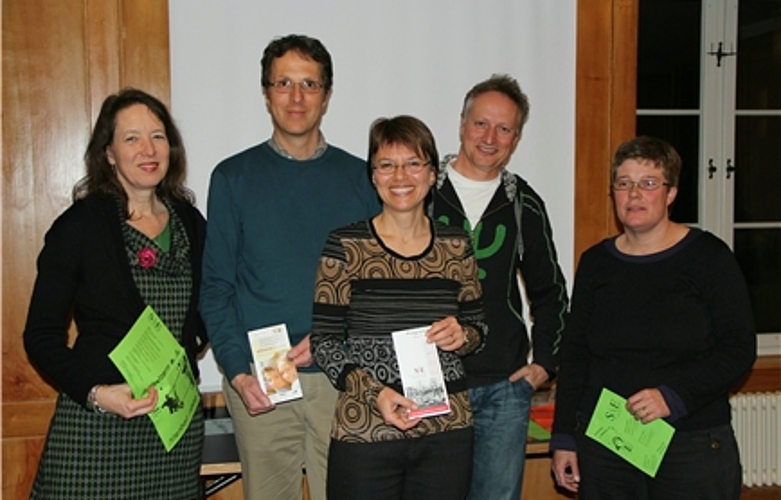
396 271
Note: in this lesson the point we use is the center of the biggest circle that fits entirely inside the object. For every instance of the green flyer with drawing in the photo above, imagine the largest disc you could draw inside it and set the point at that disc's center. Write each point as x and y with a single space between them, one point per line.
613 426
149 355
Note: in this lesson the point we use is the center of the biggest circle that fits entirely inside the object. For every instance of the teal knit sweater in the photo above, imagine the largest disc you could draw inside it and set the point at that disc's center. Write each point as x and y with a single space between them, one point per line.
268 218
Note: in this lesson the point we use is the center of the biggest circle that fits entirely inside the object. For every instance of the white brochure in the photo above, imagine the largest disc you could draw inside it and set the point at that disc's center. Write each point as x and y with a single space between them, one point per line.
421 372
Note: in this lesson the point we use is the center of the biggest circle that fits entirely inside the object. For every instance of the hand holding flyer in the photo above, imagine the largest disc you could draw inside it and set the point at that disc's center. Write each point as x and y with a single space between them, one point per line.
642 445
149 355
277 374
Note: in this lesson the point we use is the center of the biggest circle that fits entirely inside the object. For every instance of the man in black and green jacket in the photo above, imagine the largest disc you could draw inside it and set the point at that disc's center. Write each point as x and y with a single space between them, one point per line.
513 241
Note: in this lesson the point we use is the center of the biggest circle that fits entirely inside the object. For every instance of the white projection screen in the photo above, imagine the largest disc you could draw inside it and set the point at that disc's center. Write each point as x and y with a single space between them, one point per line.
391 57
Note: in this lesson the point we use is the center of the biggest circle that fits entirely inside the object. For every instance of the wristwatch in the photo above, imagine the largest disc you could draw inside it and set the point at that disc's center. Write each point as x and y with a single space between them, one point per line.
466 336
92 401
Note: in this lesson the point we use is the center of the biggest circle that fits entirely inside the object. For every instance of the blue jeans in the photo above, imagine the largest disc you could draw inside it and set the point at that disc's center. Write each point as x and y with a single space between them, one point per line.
501 413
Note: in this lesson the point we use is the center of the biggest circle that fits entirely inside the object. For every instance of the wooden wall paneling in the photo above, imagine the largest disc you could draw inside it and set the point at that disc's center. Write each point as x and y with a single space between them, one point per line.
623 114
592 122
45 127
128 46
60 60
102 41
27 418
145 55
20 461
605 109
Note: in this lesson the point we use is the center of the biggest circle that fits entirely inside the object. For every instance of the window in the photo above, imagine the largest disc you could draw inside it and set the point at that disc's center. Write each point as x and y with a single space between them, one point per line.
709 82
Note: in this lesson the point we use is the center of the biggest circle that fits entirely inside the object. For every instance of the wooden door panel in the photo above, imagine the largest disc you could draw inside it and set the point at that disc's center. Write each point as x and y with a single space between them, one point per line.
46 126
20 461
25 419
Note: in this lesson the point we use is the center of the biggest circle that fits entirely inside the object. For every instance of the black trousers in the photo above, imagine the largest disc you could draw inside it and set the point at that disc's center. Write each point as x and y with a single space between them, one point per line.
698 465
436 466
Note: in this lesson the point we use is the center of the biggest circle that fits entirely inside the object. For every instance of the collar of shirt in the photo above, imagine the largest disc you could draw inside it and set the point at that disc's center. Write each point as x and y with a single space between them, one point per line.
319 150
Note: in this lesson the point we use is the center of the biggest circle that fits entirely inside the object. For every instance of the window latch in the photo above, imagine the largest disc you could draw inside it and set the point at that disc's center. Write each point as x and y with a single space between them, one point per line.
720 54
730 168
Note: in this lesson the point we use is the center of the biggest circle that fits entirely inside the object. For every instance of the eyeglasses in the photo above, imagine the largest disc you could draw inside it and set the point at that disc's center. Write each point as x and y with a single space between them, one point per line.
647 184
286 85
411 167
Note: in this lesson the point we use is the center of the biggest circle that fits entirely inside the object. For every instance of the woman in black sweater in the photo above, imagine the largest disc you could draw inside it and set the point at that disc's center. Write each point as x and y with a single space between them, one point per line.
661 316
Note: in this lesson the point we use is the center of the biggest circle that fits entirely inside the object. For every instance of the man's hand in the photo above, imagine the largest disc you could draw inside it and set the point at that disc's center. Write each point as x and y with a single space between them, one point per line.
255 400
300 353
534 373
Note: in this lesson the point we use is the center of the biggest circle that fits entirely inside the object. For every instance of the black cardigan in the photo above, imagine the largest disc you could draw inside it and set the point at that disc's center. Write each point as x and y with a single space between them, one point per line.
83 272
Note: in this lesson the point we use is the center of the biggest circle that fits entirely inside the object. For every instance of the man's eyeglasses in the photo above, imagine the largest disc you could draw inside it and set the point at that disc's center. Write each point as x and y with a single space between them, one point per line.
412 167
286 85
648 184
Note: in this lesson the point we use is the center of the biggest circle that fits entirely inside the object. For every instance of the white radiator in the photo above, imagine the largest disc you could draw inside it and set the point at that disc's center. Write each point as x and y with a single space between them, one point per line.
755 417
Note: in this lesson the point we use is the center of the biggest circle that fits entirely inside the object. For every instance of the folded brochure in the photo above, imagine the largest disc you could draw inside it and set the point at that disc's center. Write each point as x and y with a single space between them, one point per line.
421 372
277 374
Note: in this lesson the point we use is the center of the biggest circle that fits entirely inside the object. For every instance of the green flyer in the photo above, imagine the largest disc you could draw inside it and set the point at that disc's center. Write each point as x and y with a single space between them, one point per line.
613 426
149 355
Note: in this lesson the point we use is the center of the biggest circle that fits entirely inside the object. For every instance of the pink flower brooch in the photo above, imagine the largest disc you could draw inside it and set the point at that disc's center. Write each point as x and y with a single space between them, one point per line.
147 258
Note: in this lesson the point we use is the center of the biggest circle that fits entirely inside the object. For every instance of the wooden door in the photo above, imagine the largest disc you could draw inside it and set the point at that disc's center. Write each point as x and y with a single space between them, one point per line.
60 60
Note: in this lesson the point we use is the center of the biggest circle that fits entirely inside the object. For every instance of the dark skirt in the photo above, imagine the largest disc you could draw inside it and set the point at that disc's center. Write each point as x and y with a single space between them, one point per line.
91 456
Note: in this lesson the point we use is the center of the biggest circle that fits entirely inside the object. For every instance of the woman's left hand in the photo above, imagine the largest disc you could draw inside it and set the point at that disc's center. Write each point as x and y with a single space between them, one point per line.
447 334
118 399
647 405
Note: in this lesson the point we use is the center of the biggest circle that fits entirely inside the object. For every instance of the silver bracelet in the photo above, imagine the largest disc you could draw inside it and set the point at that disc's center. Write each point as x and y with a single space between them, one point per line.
93 401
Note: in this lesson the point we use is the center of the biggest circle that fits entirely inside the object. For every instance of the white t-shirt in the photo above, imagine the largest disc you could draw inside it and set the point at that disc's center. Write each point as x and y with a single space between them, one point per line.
474 195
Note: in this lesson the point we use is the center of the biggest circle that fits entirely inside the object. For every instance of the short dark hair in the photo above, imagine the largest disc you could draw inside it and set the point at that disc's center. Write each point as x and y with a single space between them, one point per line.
101 177
653 150
506 85
406 131
305 46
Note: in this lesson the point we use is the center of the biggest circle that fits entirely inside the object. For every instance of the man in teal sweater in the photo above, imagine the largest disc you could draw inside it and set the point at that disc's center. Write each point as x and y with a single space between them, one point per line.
270 209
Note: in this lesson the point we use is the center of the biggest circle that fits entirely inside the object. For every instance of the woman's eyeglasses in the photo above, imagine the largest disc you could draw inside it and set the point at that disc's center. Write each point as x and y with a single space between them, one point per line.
647 184
412 167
